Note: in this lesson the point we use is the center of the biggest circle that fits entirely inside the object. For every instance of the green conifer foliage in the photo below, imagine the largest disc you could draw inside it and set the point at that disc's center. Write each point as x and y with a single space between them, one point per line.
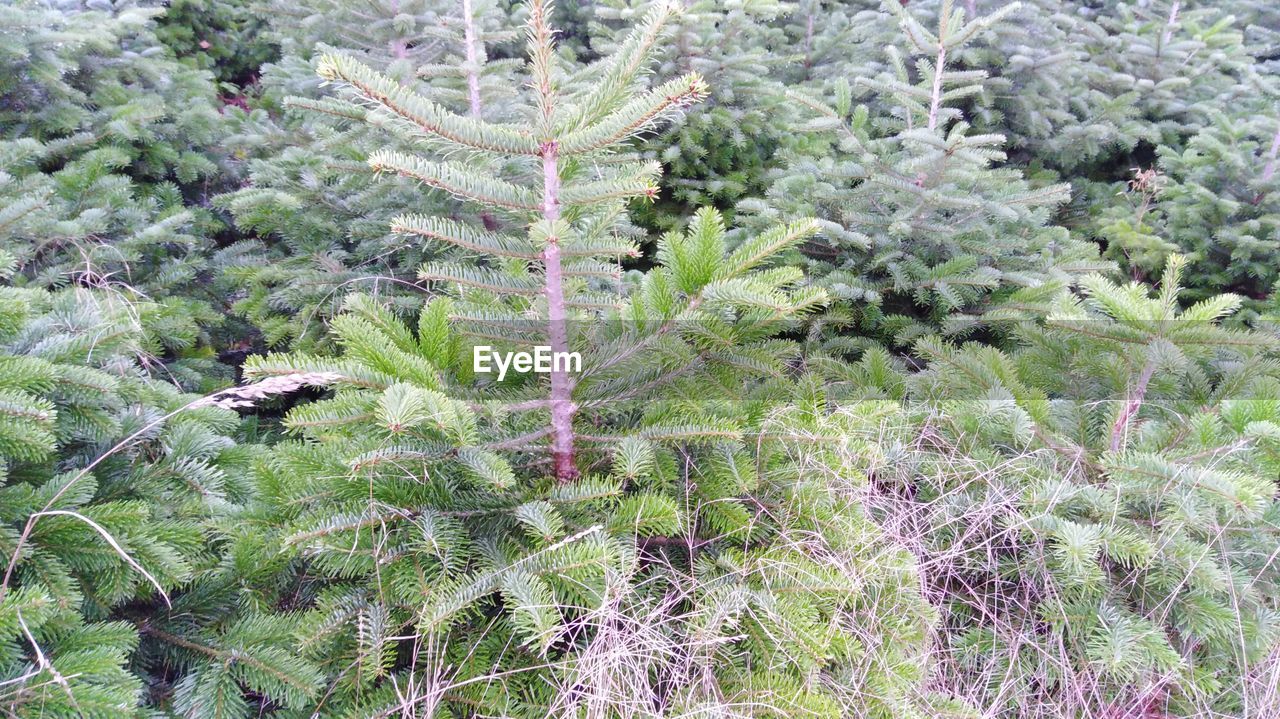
109 491
1079 86
1093 92
836 40
223 36
104 141
674 530
560 181
920 226
713 559
320 217
1217 200
1177 60
722 151
892 372
1046 91
1096 511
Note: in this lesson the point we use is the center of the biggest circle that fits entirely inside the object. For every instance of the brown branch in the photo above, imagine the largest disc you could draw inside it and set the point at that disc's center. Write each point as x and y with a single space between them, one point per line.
562 406
1132 405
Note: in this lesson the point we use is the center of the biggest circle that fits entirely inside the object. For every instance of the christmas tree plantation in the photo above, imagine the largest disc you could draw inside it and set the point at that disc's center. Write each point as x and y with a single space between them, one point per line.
640 359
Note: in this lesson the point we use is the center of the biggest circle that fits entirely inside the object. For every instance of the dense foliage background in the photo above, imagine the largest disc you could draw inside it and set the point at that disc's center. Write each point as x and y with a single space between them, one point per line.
931 358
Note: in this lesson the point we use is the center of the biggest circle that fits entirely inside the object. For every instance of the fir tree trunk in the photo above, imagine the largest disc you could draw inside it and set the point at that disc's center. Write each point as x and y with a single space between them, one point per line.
473 64
399 46
562 407
935 102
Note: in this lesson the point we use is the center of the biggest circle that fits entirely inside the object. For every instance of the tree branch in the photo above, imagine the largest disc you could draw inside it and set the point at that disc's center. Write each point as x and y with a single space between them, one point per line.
1132 405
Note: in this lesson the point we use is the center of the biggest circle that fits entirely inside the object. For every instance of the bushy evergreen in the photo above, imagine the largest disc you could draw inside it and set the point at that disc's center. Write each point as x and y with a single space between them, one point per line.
225 36
108 147
1077 84
720 154
320 219
921 228
110 491
441 553
443 561
1215 199
1096 509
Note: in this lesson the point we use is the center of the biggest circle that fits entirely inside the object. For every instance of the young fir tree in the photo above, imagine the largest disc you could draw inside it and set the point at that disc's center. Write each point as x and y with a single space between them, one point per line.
109 489
674 530
1179 60
920 228
566 188
837 40
1218 200
104 143
321 216
721 152
1045 93
1080 87
1096 511
225 37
